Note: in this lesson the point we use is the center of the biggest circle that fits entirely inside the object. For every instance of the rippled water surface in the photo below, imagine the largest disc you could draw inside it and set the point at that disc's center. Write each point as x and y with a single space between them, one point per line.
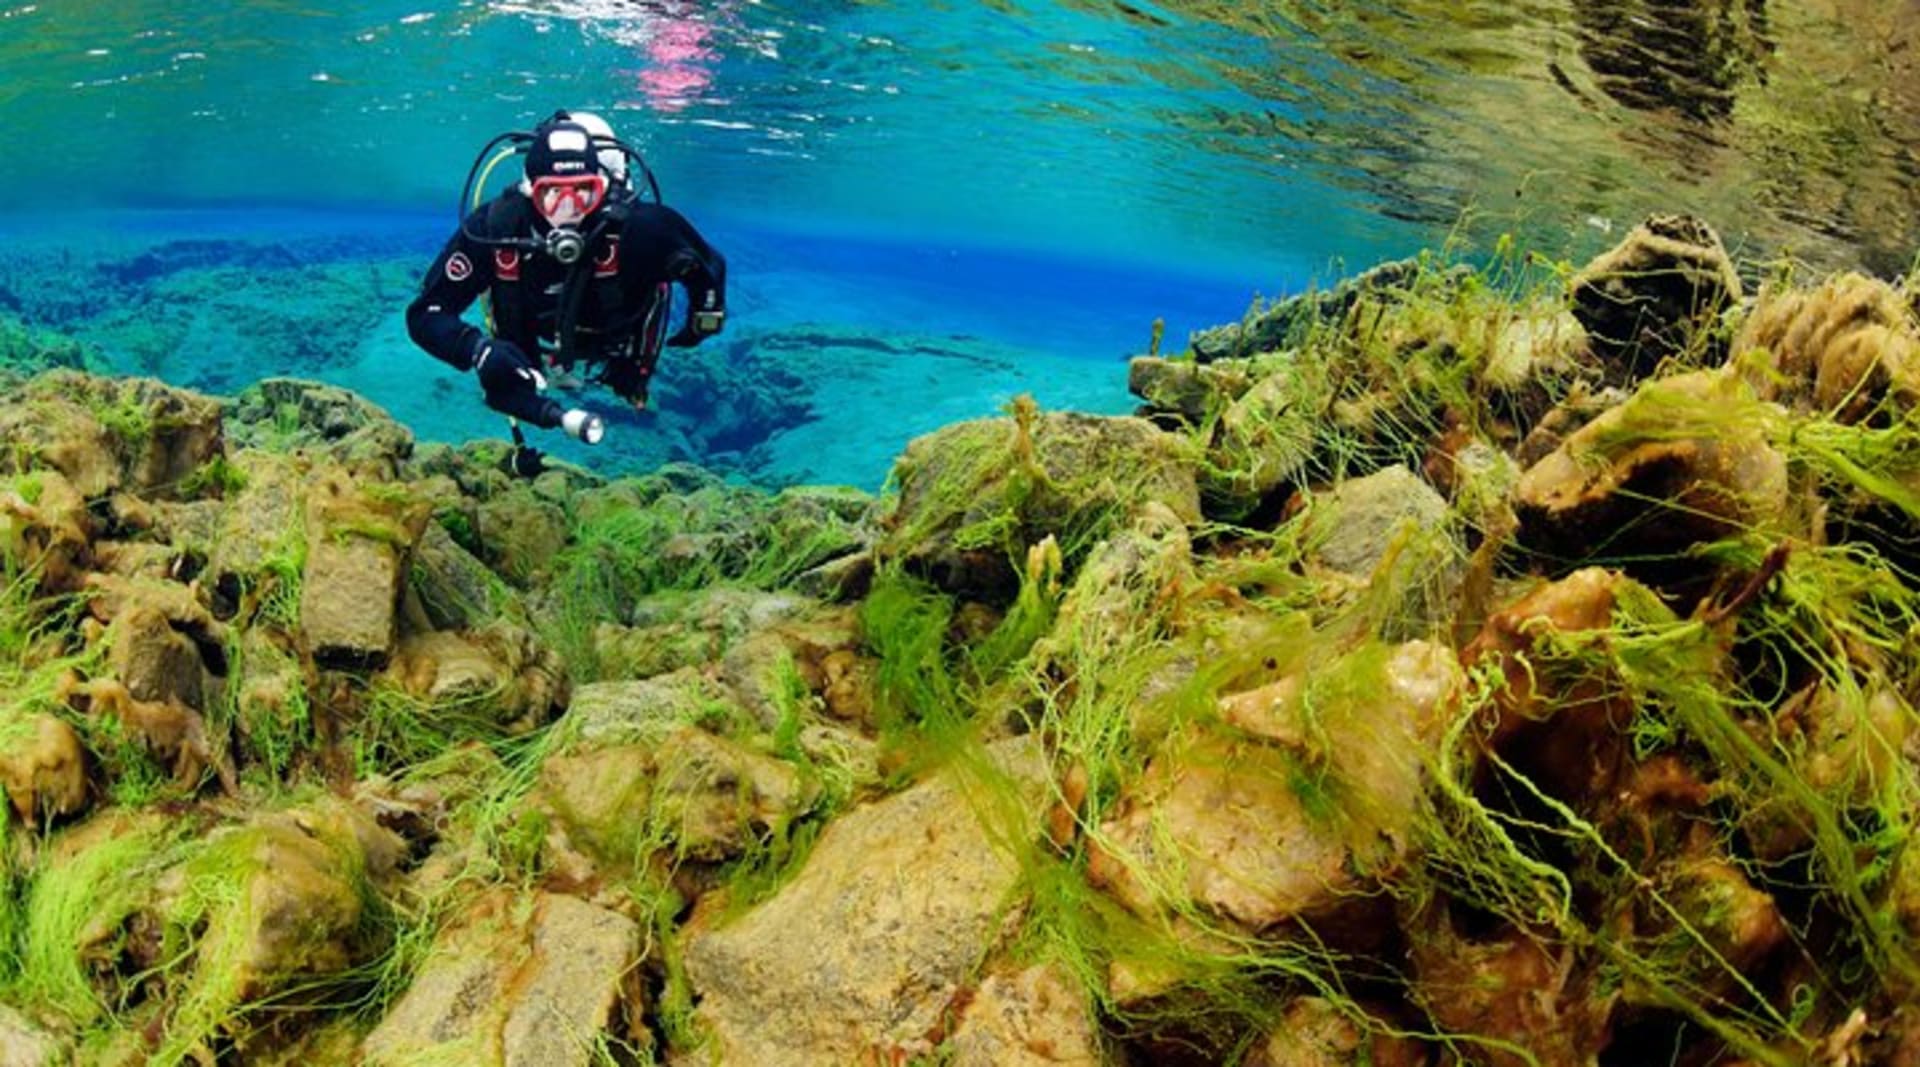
1212 133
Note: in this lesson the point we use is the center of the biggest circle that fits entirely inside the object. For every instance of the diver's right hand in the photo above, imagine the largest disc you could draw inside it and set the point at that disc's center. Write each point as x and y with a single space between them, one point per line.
503 368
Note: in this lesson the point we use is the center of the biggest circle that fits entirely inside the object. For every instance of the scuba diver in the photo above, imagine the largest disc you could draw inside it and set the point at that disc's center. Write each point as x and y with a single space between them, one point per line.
578 263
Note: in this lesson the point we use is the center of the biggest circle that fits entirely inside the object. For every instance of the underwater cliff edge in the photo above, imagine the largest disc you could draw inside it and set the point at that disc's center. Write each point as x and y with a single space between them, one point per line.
1475 662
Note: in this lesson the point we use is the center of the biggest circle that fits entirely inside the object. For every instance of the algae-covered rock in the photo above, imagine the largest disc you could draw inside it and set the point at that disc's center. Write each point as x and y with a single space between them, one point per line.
974 495
1302 816
645 711
283 899
692 796
1685 461
1652 295
501 675
1386 538
288 415
1188 390
1521 996
154 660
262 527
454 590
530 981
359 542
1317 1032
113 433
1038 1016
45 528
1288 321
1843 348
43 767
519 534
24 1043
842 963
1264 440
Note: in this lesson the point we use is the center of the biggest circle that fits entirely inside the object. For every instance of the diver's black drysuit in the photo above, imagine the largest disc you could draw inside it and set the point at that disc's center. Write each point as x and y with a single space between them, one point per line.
617 292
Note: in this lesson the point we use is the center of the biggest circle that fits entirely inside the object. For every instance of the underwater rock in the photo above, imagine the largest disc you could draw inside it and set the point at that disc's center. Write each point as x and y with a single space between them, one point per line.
1703 901
1517 999
324 421
56 434
359 542
267 691
1253 842
260 534
1685 461
1580 406
519 534
452 588
114 433
1111 601
1316 1032
1287 322
45 528
693 796
171 732
153 660
779 669
974 495
1557 722
1388 531
1264 440
1653 295
645 712
1038 1016
1844 348
23 1043
519 979
43 768
772 989
1186 390
281 904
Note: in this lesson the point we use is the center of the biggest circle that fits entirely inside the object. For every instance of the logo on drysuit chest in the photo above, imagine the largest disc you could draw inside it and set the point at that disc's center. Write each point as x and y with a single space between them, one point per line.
607 263
506 264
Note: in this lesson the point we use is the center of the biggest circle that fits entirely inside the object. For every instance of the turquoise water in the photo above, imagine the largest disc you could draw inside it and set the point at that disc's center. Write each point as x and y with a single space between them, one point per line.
1041 179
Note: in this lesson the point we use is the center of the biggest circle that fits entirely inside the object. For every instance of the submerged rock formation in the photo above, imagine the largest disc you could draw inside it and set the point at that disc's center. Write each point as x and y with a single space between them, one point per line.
1449 682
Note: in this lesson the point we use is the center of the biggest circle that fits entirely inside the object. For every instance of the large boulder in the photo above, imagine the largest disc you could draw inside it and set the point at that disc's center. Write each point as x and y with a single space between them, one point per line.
516 981
1652 295
974 496
865 950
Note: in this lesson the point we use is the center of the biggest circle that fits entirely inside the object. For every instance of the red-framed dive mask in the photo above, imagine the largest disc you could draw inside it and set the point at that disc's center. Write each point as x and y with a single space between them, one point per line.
566 201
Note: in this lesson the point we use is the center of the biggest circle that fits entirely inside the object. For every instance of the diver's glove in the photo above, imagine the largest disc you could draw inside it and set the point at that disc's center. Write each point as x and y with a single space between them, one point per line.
512 385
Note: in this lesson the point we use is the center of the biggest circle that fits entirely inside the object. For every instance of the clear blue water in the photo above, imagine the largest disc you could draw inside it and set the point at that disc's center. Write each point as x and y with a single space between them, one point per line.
1047 175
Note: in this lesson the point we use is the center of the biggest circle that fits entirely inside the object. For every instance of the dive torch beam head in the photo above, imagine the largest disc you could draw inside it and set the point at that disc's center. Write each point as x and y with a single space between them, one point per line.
583 426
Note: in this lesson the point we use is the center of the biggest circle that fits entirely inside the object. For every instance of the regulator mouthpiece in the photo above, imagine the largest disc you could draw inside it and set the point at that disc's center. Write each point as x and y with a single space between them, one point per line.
583 426
565 245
